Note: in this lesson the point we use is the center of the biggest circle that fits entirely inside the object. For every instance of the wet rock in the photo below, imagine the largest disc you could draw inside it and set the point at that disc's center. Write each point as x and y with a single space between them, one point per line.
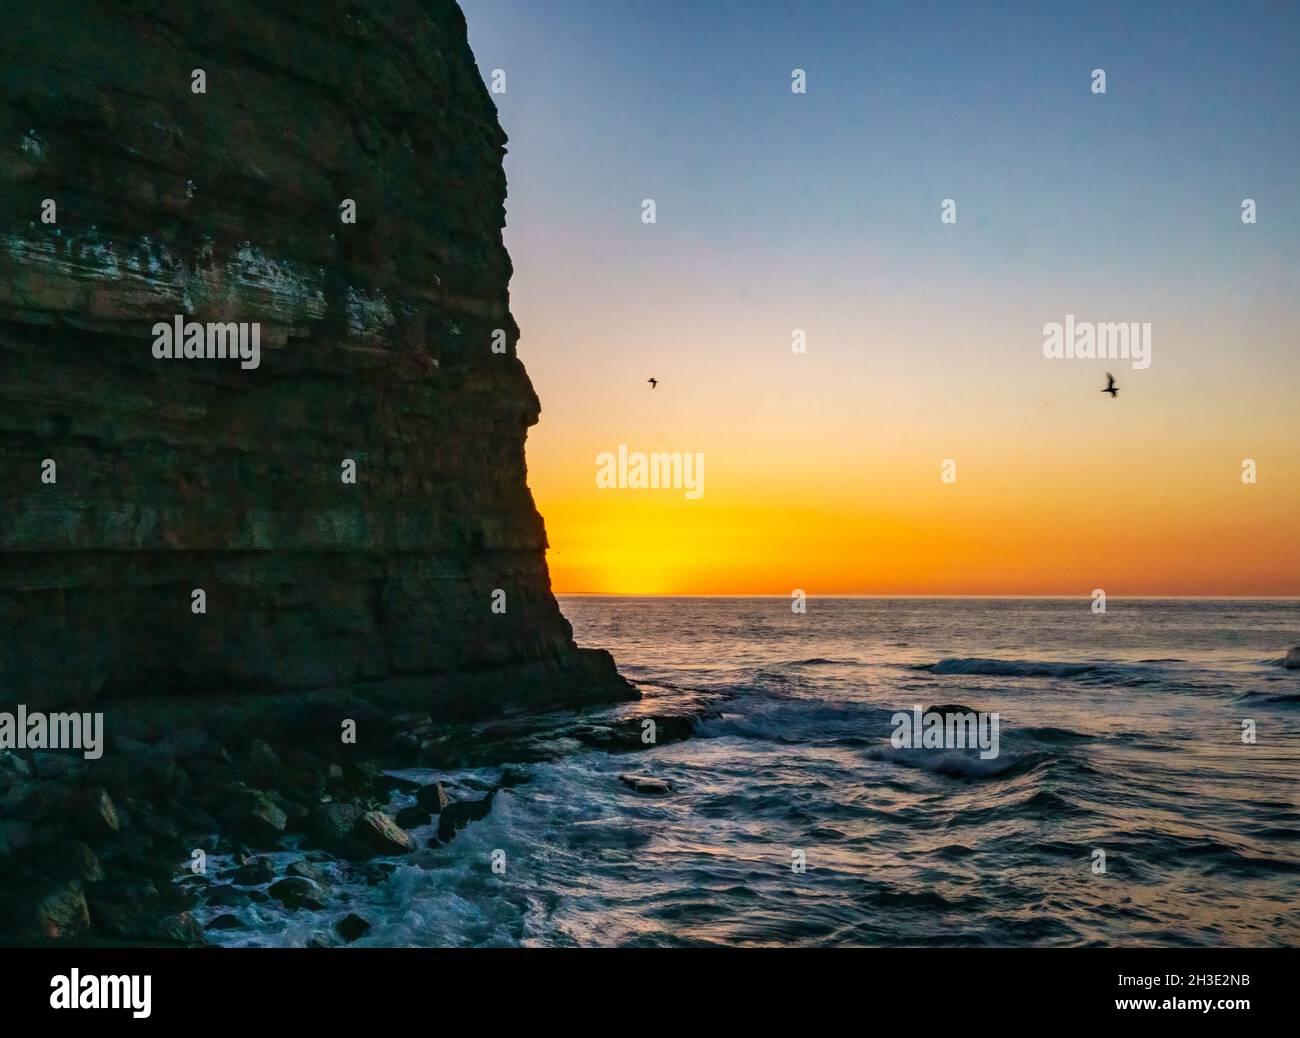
263 765
513 775
413 817
1292 661
226 895
150 923
352 927
263 822
382 835
60 766
306 870
432 798
646 784
372 873
66 860
63 913
948 708
331 823
255 873
225 921
457 815
297 892
101 814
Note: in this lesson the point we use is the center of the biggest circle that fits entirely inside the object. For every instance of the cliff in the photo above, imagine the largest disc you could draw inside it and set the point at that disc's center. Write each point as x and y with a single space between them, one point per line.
201 161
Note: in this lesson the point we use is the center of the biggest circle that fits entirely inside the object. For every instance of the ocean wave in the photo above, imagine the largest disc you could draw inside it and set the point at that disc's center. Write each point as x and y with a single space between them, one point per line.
1007 668
953 763
1101 673
1057 735
1262 696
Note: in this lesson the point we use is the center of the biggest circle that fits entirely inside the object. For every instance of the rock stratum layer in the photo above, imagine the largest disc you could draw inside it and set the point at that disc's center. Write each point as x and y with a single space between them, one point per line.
376 346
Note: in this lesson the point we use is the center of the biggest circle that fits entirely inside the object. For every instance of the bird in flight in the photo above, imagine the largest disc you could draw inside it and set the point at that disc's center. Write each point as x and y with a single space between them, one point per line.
1111 388
653 382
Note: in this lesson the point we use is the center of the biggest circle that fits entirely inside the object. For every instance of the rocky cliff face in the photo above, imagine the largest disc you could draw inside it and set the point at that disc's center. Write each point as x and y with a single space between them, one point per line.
201 161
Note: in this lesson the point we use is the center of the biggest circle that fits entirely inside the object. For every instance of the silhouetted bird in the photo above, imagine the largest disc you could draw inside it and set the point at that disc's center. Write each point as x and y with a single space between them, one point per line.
653 382
1111 388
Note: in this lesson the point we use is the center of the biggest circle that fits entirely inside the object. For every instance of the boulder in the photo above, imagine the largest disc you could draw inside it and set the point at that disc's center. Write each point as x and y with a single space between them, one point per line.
255 873
433 798
413 817
331 823
457 815
646 784
352 927
307 870
263 822
298 892
63 913
382 835
101 814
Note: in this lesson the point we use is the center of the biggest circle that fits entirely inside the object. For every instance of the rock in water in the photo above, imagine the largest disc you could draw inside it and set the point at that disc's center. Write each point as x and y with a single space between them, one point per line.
382 835
352 927
460 813
297 892
333 453
1292 661
646 784
432 798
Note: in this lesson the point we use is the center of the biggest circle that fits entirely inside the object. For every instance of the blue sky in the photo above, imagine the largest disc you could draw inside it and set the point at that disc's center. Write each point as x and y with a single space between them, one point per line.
821 212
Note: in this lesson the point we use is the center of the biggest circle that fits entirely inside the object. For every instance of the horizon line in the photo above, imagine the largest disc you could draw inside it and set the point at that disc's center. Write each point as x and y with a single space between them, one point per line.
1014 597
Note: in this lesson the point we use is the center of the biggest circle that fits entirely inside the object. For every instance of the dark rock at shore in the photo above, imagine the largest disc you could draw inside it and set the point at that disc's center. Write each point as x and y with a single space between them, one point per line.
66 860
458 814
142 922
101 813
64 912
298 892
254 873
647 784
331 823
352 927
413 817
307 870
263 822
225 921
513 776
630 734
432 798
382 835
1292 661
226 895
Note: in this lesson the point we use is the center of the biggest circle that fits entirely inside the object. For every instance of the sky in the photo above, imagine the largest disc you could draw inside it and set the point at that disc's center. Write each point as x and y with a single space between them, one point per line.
821 211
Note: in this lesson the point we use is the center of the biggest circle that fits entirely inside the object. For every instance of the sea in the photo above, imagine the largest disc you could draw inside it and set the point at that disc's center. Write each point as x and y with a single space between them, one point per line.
1146 789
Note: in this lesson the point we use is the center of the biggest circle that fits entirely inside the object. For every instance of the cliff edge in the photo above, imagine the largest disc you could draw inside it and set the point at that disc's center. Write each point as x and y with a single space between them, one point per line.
261 419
